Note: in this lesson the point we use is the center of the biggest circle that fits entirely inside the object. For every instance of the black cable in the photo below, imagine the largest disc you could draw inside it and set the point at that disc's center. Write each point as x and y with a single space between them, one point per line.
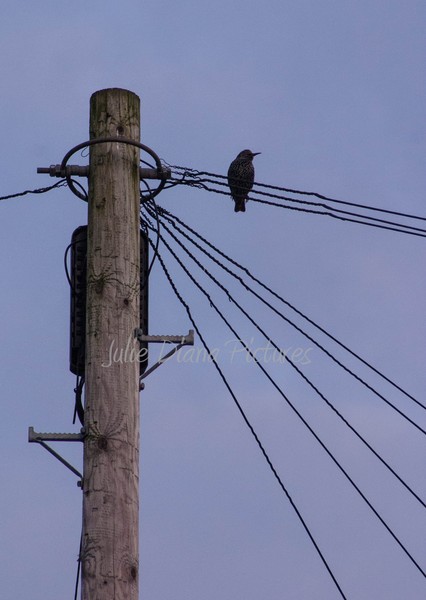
145 162
146 184
196 173
60 183
360 437
287 320
281 299
67 273
78 407
85 195
247 422
200 183
349 220
316 212
212 304
77 579
149 202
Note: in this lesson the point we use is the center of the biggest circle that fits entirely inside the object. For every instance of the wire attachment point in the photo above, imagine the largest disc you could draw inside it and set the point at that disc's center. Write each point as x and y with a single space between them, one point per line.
63 170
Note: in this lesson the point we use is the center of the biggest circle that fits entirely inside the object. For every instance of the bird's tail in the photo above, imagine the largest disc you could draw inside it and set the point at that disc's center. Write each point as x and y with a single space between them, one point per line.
240 206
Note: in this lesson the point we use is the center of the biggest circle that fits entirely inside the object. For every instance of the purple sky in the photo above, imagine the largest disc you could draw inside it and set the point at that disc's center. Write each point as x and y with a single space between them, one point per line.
333 95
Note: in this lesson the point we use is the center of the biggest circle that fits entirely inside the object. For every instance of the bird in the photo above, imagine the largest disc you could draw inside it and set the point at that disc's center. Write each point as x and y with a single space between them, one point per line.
241 178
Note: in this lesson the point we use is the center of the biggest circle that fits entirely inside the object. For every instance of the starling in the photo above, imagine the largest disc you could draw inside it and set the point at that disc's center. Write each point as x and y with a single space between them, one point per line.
241 178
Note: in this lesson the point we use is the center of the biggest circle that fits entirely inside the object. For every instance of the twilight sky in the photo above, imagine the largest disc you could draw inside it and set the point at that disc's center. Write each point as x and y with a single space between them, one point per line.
333 94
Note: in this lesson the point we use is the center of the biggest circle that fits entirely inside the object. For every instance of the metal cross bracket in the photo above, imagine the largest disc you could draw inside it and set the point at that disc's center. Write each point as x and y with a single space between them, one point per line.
180 340
83 171
64 170
42 438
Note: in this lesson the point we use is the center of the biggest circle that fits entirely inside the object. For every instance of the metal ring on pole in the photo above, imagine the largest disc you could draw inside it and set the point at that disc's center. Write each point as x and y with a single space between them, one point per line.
121 140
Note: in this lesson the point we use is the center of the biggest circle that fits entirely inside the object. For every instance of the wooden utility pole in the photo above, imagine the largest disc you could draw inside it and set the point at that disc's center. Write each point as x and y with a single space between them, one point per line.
110 546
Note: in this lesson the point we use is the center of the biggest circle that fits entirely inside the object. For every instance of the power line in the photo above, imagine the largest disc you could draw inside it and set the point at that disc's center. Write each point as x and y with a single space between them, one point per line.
77 578
363 219
360 437
357 377
247 422
310 203
340 218
60 183
167 213
193 172
154 204
212 304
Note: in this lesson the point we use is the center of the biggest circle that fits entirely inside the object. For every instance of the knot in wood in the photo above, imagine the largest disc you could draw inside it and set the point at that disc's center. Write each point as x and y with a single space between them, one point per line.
102 442
99 286
133 572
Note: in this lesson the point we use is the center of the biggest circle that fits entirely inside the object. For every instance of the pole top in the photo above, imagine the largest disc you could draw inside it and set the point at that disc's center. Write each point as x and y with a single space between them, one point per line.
114 91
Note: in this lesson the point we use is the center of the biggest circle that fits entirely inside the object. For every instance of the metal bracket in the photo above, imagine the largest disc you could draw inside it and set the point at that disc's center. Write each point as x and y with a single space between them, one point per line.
83 171
180 340
184 340
42 438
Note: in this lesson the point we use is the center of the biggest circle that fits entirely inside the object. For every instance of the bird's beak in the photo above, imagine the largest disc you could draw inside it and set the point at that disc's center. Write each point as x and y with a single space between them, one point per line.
256 153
